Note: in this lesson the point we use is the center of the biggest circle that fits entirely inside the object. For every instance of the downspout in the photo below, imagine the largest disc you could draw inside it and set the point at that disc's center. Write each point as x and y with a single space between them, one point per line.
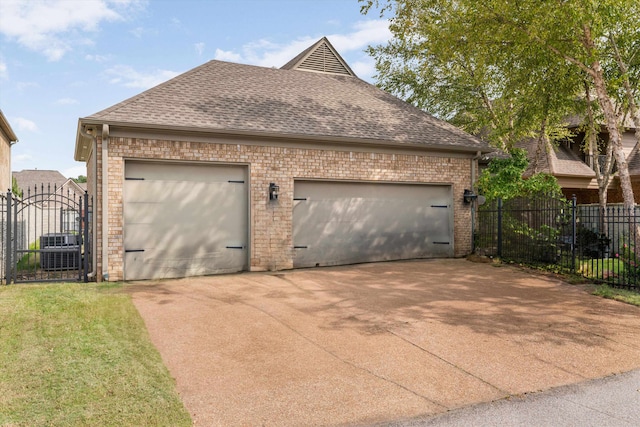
93 138
105 202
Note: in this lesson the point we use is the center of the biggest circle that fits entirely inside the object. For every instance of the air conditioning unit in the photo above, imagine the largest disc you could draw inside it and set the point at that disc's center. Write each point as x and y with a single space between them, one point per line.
60 251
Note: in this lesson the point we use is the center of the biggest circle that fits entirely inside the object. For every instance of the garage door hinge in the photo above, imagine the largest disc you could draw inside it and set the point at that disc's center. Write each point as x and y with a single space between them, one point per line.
236 182
133 179
439 206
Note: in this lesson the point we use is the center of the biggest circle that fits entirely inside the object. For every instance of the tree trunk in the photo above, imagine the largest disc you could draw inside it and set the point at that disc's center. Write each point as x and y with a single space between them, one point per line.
624 70
611 122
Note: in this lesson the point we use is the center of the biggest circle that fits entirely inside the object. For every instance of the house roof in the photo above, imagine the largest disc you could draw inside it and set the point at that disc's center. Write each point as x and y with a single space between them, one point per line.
229 98
36 178
39 181
556 160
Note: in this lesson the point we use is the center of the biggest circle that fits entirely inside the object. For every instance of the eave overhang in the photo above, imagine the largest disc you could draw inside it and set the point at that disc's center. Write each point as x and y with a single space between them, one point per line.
91 127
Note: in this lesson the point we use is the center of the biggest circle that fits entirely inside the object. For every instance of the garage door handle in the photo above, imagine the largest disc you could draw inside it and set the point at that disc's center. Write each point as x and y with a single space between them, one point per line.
235 247
133 250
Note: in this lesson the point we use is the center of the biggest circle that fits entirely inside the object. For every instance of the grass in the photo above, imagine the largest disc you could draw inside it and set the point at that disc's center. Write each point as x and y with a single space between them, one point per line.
623 295
597 268
31 260
79 355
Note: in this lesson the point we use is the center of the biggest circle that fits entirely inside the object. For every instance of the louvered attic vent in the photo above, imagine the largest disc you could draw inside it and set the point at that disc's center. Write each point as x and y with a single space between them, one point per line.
324 61
320 58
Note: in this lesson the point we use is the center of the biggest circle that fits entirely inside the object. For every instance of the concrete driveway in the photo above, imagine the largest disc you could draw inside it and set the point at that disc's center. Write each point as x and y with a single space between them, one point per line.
372 343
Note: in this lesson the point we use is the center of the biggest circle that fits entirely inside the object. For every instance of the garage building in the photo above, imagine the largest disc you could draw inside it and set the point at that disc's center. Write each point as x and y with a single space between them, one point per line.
232 167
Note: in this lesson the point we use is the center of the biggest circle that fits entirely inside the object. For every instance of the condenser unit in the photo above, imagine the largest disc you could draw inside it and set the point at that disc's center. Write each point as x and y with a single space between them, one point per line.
60 251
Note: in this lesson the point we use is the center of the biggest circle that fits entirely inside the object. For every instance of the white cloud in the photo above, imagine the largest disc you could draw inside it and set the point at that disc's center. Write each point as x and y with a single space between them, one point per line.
53 27
364 68
227 55
127 76
20 158
199 48
26 85
137 32
66 101
4 70
24 124
98 58
75 171
267 54
366 33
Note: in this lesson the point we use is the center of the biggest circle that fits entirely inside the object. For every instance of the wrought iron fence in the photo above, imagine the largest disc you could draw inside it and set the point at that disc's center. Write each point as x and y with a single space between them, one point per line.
598 243
45 236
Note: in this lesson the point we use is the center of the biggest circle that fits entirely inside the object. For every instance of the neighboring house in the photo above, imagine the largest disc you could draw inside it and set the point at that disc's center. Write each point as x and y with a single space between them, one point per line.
574 167
50 183
54 204
7 139
232 167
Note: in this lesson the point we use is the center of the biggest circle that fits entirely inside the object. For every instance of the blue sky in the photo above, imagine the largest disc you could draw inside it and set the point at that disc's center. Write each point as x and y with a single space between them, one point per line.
65 59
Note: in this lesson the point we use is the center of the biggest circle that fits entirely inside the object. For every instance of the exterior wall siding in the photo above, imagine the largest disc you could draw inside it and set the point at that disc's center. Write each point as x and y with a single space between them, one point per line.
270 223
5 163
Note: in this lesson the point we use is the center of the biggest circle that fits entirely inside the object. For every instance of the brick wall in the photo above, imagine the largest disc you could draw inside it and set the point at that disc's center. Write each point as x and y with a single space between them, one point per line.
271 223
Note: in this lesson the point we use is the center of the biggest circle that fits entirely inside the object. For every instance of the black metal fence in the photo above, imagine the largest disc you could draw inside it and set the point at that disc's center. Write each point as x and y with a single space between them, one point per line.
598 243
45 236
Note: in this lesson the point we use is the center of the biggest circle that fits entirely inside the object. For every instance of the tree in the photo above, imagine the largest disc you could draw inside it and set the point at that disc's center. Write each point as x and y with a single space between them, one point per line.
80 179
512 69
503 179
14 187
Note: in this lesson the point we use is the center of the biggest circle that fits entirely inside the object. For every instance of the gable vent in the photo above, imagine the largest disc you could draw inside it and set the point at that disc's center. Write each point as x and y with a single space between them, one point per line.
323 60
321 57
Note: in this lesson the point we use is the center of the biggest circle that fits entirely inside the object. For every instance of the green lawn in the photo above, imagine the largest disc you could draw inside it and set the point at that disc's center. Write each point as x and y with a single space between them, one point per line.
79 355
630 297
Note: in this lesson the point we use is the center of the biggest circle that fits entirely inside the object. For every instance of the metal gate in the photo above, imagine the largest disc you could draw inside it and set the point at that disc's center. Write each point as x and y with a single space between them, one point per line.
45 236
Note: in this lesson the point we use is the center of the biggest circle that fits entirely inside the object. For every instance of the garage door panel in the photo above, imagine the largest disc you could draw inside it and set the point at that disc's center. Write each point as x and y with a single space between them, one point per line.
176 226
342 223
164 264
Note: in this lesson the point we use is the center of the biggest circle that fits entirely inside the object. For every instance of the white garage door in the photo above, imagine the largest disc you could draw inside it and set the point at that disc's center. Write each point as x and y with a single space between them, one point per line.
184 220
344 223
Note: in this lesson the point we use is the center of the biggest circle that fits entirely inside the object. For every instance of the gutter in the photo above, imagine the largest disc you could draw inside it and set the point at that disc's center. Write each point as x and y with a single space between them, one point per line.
231 133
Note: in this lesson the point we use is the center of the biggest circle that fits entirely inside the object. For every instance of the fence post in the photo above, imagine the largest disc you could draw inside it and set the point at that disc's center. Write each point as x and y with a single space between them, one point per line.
499 227
573 231
8 253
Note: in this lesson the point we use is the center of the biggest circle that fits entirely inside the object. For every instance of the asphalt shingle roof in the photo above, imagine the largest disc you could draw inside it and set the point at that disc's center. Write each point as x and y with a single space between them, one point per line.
557 161
228 97
39 180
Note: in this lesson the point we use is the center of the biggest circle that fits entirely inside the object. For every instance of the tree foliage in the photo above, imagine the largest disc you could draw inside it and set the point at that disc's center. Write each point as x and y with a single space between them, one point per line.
503 179
507 70
14 187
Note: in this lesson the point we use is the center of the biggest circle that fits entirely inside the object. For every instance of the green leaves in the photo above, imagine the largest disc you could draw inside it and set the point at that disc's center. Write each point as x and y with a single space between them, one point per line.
503 179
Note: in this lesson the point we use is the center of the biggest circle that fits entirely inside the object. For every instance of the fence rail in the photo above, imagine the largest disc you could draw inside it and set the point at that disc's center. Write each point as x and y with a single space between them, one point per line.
598 243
